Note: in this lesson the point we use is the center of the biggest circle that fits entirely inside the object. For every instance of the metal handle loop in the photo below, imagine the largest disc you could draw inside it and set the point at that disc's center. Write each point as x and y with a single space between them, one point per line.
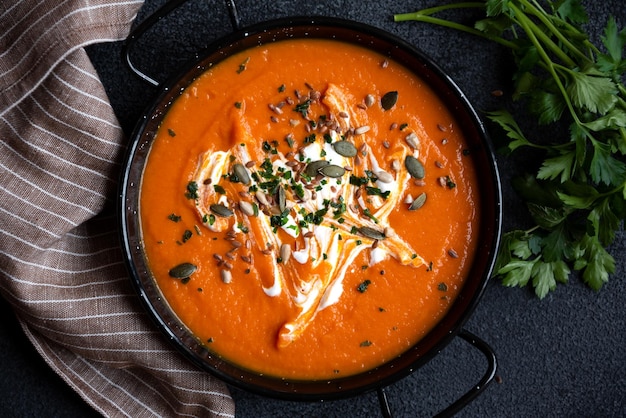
468 396
153 19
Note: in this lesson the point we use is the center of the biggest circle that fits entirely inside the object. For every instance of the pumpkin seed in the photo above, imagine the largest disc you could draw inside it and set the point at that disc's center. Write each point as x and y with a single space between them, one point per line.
384 177
361 130
418 202
285 253
366 231
312 169
247 208
369 100
221 210
262 198
226 276
344 148
281 198
241 173
332 170
182 271
415 167
389 100
413 140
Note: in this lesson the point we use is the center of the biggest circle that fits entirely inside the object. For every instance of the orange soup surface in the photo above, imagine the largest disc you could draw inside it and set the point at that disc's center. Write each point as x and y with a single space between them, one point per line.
309 209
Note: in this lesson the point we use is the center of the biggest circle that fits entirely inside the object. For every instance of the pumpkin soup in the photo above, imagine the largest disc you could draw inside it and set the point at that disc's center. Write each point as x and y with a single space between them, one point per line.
309 209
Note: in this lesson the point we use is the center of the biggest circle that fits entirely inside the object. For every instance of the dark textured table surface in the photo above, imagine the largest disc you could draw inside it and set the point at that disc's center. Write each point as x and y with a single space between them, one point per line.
564 356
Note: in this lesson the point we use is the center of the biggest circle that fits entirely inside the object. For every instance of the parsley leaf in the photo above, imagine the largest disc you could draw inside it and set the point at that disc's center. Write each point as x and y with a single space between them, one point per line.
510 126
517 272
595 262
597 94
560 167
614 42
573 11
577 196
604 167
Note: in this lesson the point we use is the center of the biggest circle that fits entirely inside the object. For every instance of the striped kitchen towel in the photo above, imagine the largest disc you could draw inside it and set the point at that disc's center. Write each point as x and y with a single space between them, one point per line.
61 265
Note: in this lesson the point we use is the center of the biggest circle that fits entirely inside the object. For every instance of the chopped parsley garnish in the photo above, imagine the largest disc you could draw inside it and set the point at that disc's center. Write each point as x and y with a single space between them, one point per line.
267 169
279 220
242 66
358 181
298 189
192 190
369 214
362 287
375 191
173 217
339 206
243 228
316 217
271 185
303 108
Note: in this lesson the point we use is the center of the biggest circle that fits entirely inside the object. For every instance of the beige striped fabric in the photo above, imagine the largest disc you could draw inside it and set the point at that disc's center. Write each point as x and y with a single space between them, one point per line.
61 264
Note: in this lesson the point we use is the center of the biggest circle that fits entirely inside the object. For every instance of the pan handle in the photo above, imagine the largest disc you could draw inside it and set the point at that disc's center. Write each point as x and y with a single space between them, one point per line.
472 393
154 18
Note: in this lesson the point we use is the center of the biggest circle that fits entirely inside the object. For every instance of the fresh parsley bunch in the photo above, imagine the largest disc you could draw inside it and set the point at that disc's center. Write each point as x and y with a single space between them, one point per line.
577 198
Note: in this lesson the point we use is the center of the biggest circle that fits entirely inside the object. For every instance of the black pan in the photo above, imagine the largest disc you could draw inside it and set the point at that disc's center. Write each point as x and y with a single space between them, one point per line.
490 224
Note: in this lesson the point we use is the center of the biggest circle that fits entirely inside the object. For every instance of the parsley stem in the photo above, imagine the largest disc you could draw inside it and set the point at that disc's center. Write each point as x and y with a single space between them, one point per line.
542 16
425 16
530 26
529 231
526 24
568 32
618 189
433 10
